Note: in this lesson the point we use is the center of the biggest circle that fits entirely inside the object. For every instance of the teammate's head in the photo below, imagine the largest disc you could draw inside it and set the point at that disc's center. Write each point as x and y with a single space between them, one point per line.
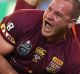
59 16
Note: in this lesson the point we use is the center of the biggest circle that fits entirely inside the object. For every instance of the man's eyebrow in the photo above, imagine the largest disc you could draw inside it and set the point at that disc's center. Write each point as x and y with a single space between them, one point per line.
60 14
49 7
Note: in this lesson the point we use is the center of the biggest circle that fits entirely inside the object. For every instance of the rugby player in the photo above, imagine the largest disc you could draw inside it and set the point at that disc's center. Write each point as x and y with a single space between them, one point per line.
38 42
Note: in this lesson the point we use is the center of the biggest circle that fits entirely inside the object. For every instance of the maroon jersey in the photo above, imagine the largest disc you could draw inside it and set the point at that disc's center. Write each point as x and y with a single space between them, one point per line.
32 53
77 28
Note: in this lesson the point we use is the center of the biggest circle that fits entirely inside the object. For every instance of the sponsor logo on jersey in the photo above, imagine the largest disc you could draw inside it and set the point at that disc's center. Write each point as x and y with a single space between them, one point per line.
55 65
6 34
39 54
24 48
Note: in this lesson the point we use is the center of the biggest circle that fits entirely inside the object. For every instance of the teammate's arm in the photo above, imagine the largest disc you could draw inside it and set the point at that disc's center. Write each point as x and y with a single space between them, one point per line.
5 47
26 4
32 2
5 67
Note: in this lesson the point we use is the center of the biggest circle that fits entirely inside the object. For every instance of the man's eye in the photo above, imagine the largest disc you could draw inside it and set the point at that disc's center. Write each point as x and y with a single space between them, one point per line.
58 14
49 8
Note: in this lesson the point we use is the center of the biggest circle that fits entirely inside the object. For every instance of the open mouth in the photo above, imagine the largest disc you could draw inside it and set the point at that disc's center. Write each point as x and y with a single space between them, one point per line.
48 24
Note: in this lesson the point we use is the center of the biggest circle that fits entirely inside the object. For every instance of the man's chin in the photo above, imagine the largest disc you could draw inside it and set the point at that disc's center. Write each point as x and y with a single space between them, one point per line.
45 34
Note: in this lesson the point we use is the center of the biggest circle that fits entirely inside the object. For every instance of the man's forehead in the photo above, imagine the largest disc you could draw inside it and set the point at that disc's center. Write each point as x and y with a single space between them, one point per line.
61 3
63 0
62 6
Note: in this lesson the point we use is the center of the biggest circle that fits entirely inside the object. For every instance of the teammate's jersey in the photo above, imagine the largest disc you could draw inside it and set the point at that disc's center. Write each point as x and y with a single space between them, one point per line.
32 53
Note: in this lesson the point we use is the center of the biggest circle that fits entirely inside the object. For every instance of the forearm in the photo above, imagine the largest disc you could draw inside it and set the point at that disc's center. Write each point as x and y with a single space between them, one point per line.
5 67
32 2
26 4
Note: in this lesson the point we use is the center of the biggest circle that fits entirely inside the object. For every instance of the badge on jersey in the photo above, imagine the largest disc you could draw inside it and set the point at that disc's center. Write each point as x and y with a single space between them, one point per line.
55 65
39 54
24 48
6 34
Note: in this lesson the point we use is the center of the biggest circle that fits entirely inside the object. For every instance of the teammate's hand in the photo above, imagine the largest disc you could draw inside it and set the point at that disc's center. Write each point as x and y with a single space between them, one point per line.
32 2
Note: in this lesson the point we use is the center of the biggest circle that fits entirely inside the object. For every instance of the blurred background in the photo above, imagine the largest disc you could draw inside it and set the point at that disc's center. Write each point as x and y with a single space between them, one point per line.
7 7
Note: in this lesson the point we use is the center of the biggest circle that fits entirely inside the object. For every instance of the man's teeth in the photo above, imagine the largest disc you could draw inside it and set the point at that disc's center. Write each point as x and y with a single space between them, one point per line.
48 24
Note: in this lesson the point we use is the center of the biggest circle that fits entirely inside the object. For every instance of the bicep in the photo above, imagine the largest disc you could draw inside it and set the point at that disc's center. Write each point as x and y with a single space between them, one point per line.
5 47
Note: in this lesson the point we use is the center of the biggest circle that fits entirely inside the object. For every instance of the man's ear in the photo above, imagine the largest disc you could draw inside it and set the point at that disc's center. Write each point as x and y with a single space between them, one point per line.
71 23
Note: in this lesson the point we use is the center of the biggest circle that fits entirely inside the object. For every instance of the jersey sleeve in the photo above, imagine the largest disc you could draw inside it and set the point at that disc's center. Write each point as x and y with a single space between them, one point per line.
18 24
7 29
21 4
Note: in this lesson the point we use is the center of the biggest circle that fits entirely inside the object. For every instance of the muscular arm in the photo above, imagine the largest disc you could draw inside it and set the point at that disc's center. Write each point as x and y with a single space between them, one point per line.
5 47
26 4
32 2
5 67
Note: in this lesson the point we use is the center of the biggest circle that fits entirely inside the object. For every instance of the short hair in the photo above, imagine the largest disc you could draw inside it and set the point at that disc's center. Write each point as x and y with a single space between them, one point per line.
76 9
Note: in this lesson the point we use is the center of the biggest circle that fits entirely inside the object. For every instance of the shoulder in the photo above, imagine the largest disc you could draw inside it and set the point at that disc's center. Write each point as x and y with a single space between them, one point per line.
21 22
74 51
78 26
27 14
77 29
28 11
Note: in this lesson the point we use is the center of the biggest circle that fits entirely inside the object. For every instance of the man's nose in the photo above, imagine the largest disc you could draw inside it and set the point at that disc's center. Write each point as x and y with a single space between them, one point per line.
50 16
